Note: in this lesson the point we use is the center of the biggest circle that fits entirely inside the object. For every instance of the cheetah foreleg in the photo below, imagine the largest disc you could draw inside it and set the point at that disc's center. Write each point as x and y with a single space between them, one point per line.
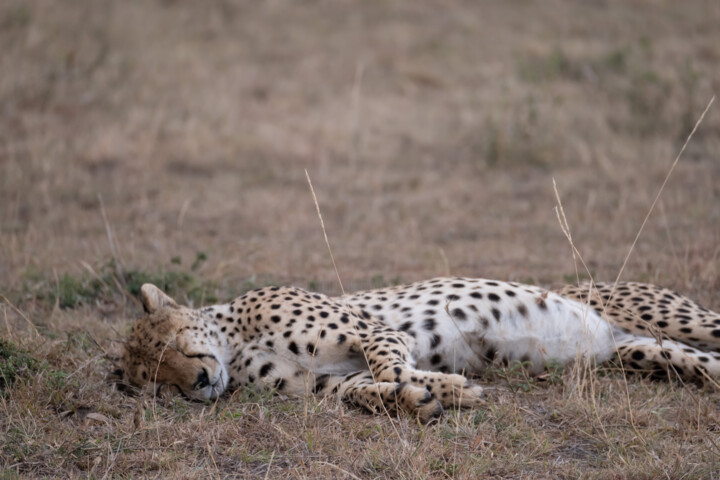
390 361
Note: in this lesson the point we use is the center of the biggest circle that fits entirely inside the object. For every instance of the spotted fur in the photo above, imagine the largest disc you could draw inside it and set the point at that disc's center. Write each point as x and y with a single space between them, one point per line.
411 347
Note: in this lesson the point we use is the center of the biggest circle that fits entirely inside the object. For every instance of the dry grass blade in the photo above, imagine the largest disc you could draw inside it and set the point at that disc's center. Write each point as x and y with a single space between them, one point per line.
111 241
322 224
267 473
565 227
327 242
22 315
662 187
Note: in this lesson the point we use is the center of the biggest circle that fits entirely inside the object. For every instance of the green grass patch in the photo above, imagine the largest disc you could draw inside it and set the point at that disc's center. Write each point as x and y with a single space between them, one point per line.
15 363
71 291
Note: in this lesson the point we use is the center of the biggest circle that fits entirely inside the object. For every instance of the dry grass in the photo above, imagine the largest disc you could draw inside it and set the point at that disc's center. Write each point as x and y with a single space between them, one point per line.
431 133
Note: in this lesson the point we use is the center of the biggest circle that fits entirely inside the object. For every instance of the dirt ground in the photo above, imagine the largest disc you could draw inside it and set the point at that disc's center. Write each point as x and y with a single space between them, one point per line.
169 140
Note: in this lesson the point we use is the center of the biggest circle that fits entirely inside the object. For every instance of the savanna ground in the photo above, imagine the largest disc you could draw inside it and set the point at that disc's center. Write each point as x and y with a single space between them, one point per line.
168 141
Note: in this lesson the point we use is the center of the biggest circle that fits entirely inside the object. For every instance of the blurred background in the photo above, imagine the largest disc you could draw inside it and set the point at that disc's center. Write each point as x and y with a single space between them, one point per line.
167 141
173 136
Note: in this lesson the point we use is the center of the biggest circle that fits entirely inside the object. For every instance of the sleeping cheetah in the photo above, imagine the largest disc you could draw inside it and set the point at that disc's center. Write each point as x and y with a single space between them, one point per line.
410 347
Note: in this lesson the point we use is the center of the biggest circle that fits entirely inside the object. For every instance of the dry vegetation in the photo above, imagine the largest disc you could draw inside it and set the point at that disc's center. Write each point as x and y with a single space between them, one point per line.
432 132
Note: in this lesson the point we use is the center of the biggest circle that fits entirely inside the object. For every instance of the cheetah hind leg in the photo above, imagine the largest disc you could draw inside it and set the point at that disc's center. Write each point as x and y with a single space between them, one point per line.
640 308
669 358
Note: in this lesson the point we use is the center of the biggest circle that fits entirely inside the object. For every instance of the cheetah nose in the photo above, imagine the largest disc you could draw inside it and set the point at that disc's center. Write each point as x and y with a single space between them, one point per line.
202 381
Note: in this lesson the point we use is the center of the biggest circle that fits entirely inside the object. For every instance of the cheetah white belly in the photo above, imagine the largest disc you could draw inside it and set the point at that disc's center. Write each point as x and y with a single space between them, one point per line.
467 324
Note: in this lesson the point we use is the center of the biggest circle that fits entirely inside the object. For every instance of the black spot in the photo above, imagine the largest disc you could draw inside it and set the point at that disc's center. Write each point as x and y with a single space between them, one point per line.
435 341
686 330
265 369
323 314
509 293
275 306
435 359
716 333
341 338
662 324
458 285
429 324
522 310
494 297
492 284
293 348
320 383
311 349
406 326
637 355
496 314
275 318
452 297
646 316
433 302
476 295
459 314
490 354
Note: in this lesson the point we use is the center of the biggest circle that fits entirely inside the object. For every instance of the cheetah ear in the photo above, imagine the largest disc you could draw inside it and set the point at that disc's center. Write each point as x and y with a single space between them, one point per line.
154 299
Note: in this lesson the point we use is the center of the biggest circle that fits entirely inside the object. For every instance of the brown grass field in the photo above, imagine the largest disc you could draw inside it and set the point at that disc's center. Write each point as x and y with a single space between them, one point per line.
167 141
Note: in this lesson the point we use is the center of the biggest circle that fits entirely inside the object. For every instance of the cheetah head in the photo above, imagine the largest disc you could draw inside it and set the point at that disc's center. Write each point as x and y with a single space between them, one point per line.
172 347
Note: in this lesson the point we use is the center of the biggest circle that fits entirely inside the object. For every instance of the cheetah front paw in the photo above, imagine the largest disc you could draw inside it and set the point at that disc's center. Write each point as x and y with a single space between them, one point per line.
458 392
419 402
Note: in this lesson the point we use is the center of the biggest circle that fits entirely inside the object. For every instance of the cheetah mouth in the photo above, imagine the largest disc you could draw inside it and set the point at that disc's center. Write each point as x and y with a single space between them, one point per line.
216 389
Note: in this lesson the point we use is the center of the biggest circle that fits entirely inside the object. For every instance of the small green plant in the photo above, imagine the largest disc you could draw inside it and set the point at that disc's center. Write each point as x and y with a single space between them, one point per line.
72 291
441 465
15 363
200 258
